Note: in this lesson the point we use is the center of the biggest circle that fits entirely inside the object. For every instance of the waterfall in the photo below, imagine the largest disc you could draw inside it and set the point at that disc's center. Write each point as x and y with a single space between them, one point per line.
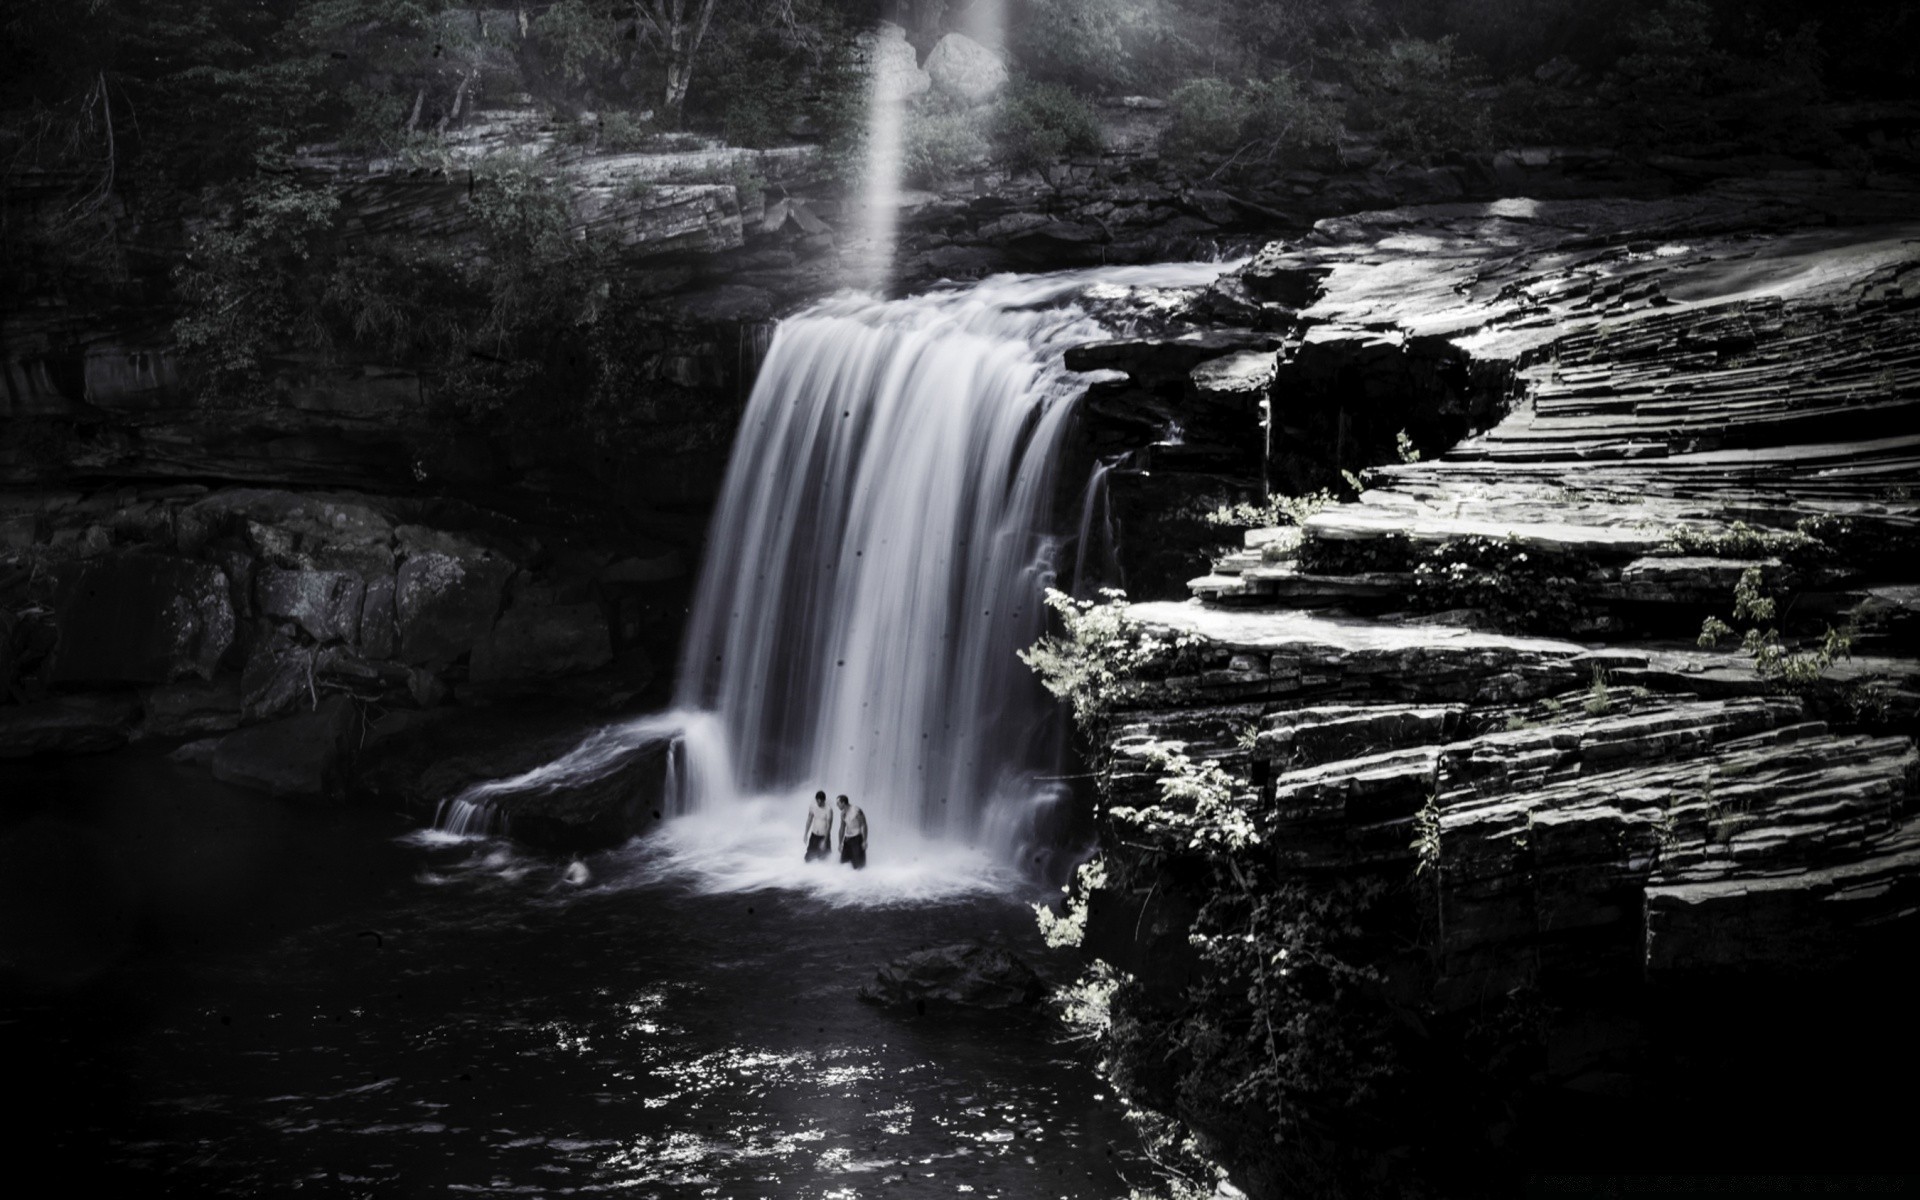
877 558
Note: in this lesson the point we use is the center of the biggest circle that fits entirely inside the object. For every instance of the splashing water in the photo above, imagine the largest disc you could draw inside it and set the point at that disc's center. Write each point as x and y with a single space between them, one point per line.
876 561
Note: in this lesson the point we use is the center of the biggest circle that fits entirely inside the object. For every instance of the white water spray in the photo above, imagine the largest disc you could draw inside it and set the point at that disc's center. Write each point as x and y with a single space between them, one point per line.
876 561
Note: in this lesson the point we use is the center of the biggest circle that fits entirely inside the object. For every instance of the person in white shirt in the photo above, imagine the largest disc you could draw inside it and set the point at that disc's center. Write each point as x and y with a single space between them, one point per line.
853 834
819 827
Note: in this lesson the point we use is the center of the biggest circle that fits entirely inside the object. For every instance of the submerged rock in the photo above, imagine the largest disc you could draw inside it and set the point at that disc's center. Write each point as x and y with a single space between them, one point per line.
964 975
85 724
301 755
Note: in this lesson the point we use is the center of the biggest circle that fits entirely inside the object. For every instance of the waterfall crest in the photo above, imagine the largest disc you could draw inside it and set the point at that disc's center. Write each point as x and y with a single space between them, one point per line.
876 560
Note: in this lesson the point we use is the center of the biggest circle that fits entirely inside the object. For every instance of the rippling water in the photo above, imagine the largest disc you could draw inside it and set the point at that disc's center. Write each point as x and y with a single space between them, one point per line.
272 998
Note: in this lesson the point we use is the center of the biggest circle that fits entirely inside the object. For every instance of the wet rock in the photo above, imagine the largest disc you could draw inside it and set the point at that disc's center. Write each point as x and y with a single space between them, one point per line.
534 643
302 755
590 812
278 675
324 603
139 618
965 975
192 708
86 724
446 594
962 68
280 523
378 636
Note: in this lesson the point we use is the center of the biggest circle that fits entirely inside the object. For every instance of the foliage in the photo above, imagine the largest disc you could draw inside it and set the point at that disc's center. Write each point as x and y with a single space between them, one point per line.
1067 929
1426 837
1532 590
1599 701
1101 650
1255 121
1086 1005
1691 76
940 141
242 287
1039 123
1284 1021
1199 804
1756 608
621 130
1740 540
1418 97
1278 510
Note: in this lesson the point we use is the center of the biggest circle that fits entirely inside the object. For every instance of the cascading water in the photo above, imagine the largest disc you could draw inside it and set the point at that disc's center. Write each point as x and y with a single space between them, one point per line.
876 561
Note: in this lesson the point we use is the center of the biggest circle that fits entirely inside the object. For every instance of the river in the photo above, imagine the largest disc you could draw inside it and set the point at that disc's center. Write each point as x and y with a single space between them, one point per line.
216 993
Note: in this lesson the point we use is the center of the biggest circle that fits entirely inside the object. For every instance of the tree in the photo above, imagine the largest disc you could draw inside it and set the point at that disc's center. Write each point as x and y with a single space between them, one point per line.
678 26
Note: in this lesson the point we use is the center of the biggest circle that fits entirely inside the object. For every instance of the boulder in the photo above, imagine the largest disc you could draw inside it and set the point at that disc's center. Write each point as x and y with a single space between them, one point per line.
87 724
446 594
378 637
277 676
302 755
962 68
586 810
278 524
324 603
965 975
192 708
895 67
421 761
139 618
537 643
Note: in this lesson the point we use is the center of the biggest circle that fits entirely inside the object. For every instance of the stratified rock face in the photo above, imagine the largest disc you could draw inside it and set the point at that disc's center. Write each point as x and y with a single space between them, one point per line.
446 594
965 975
964 69
139 618
536 643
1477 687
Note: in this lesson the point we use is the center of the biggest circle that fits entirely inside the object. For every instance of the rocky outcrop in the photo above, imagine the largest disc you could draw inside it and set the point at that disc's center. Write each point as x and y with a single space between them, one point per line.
1493 768
965 975
301 755
264 607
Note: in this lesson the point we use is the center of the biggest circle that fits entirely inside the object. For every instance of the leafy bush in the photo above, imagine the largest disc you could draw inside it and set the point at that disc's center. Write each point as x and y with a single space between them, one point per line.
1096 658
938 142
1755 607
1040 123
1418 97
1258 120
622 130
1278 510
1528 590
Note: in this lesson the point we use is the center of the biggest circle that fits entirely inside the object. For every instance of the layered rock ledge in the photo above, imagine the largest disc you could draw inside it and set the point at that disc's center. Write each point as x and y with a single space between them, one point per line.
1479 685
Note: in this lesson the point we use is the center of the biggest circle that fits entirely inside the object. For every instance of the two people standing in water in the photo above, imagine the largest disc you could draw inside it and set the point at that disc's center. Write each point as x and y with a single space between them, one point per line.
853 831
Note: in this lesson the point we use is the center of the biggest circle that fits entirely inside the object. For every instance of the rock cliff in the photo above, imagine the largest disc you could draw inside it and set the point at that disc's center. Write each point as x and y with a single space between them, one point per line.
1594 723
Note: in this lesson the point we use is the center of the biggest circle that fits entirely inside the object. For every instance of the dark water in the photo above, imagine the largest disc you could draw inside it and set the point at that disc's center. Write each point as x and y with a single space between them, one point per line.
213 993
